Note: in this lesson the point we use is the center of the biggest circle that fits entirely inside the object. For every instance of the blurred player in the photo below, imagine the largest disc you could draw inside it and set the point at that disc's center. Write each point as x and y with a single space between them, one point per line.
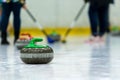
99 18
9 6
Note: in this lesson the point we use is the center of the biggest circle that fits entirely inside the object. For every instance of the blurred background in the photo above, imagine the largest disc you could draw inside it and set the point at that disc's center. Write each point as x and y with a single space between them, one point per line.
75 60
58 14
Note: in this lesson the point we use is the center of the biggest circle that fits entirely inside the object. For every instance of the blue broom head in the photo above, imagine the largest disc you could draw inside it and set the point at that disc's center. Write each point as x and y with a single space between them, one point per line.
50 40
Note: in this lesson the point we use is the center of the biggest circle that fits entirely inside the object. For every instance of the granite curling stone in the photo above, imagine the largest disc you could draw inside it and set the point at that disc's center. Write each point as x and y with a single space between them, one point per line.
23 41
36 54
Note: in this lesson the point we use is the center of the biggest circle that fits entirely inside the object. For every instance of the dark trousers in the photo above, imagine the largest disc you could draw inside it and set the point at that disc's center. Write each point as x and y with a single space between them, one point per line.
99 19
0 22
7 8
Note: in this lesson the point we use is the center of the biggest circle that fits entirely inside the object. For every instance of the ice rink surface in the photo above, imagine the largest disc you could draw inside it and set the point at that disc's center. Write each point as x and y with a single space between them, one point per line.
74 60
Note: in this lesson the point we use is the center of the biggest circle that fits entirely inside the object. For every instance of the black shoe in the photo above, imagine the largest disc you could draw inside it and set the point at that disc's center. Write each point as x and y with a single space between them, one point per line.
4 42
15 41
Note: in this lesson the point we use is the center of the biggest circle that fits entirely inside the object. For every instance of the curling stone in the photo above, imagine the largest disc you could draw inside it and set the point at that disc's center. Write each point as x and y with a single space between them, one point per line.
50 40
55 36
23 40
115 31
36 54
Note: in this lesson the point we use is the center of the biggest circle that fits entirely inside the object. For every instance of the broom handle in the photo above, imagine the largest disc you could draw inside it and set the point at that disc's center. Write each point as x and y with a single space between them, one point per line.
74 21
78 15
34 19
